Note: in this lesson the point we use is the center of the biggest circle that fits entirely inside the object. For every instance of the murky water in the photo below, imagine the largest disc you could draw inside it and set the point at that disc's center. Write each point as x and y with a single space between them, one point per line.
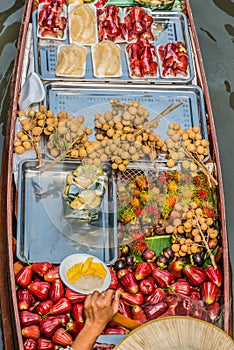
214 21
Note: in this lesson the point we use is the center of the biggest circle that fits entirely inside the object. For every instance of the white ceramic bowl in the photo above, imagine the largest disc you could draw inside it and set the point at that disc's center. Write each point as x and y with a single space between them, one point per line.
71 260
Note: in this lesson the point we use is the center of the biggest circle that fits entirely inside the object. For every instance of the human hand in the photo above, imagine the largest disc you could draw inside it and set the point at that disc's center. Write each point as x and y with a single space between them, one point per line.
100 308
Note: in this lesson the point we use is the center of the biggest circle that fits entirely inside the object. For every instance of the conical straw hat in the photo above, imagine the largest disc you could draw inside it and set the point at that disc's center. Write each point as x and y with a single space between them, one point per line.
177 333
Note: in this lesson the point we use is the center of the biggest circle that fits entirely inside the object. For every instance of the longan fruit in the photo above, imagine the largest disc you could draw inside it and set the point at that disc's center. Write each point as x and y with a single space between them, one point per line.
49 113
27 127
169 229
17 143
199 212
122 167
114 166
170 163
24 137
21 114
175 247
27 144
82 152
19 150
108 116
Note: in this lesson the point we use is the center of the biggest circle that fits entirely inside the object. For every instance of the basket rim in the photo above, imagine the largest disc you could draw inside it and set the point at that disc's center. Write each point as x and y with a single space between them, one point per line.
187 318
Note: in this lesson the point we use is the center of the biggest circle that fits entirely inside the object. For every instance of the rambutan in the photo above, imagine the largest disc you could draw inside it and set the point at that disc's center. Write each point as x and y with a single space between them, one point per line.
138 247
172 186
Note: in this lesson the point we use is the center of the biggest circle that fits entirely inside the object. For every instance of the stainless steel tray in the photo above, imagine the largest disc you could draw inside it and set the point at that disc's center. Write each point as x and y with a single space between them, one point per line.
43 233
90 98
175 29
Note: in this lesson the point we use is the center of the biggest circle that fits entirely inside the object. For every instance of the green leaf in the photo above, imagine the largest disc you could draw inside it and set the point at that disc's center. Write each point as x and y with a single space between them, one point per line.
158 243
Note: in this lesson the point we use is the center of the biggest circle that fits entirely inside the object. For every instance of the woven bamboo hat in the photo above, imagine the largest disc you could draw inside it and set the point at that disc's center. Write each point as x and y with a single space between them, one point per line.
177 333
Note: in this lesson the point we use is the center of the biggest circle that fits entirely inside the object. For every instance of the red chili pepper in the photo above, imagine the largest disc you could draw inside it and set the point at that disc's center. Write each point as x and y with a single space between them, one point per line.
32 332
176 268
147 286
100 3
195 293
138 314
74 297
214 311
124 308
147 35
61 337
136 13
24 299
148 20
133 299
114 280
143 269
45 344
56 291
44 307
180 287
41 268
195 275
210 292
39 289
129 283
30 344
115 330
78 312
152 311
62 306
49 325
52 274
122 272
158 295
214 275
163 278
24 277
74 327
28 318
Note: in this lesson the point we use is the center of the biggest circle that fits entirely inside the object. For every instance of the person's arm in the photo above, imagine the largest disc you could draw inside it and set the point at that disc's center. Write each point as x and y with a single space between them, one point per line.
99 310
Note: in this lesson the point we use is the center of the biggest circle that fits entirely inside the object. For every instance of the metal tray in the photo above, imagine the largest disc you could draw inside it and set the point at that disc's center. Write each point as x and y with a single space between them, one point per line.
175 29
43 233
88 99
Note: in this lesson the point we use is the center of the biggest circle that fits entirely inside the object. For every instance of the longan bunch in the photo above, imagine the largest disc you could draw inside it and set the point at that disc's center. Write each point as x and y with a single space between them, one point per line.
123 136
69 137
123 119
182 143
33 125
186 230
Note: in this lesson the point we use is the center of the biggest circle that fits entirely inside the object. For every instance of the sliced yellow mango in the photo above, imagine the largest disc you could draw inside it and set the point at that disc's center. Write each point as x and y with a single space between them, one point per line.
86 265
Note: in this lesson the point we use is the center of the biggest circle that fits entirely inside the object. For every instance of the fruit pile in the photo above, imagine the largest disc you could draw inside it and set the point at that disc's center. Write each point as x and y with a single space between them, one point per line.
176 203
142 58
150 290
52 20
174 58
132 24
51 314
123 134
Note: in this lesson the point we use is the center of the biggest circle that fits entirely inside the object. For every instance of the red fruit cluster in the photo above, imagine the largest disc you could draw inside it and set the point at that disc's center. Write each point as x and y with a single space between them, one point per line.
110 26
174 58
148 292
51 315
142 58
51 20
138 24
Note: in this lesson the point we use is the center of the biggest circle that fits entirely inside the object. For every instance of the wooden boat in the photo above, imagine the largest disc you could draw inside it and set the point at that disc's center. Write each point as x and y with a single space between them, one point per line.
8 219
